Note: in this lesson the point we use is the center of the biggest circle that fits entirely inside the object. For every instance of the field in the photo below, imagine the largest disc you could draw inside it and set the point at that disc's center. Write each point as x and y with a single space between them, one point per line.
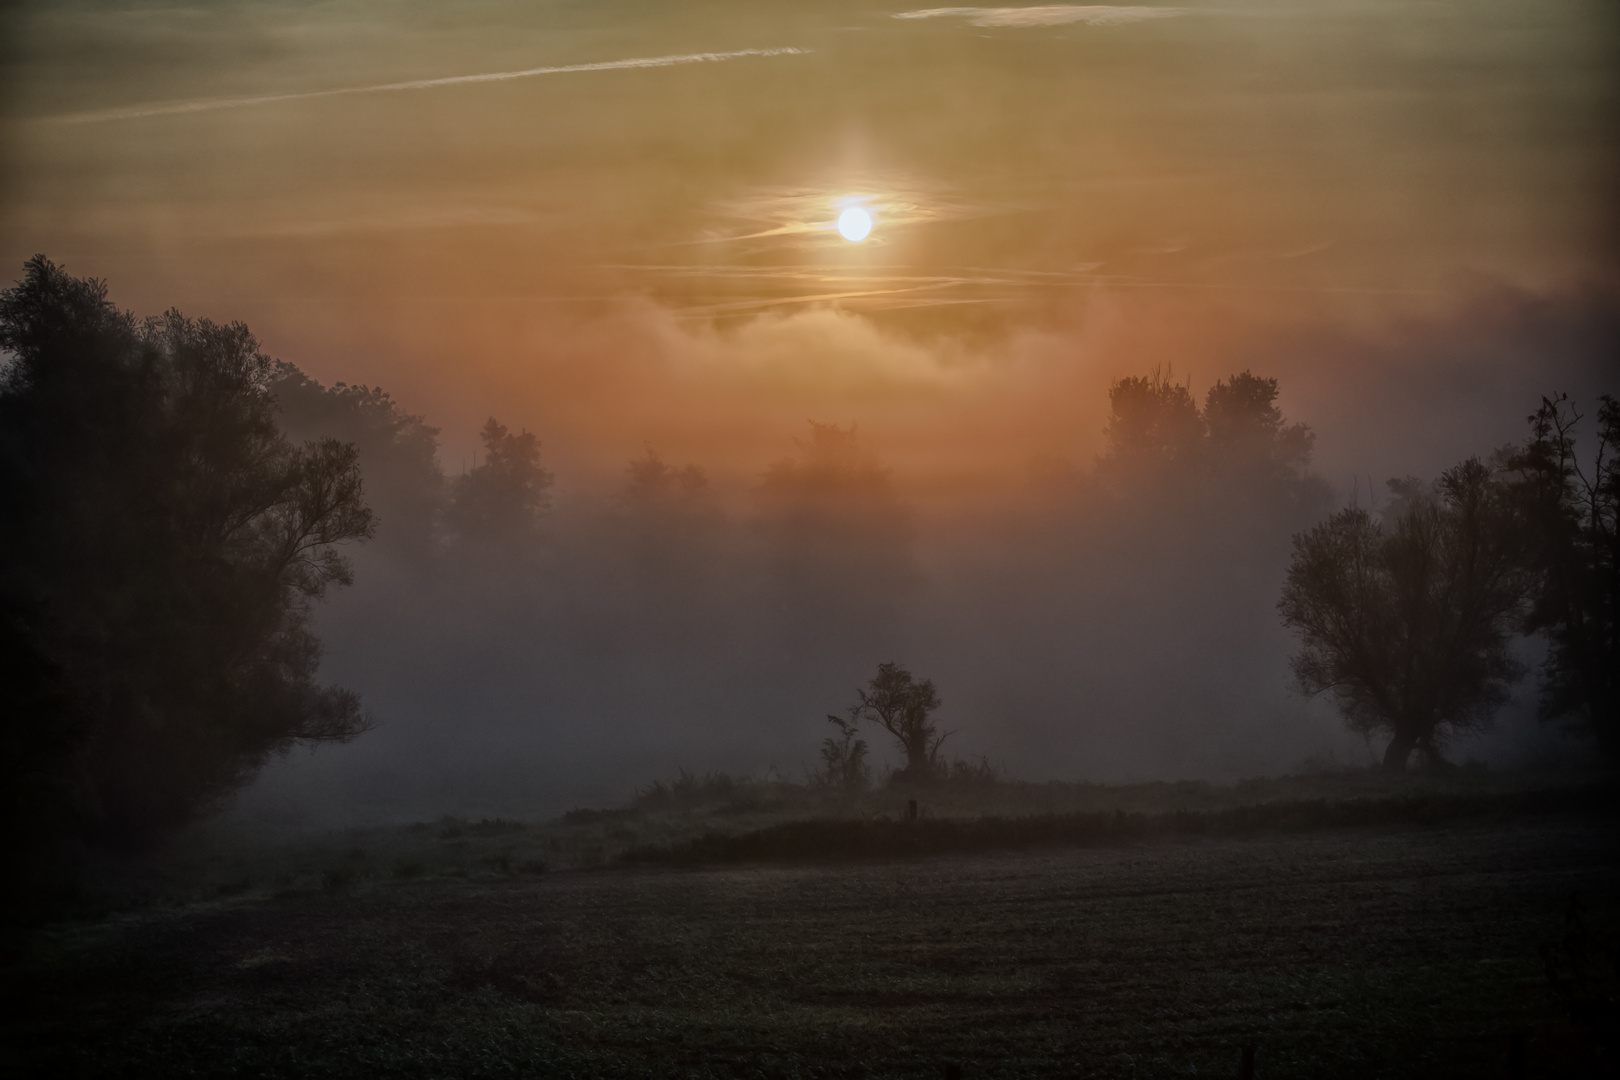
1396 949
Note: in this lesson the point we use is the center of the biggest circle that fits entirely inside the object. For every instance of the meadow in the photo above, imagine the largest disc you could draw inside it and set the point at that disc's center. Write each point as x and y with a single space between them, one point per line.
1453 925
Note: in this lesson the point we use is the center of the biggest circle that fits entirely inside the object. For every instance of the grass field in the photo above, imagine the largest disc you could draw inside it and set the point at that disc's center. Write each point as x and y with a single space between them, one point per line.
1400 949
720 818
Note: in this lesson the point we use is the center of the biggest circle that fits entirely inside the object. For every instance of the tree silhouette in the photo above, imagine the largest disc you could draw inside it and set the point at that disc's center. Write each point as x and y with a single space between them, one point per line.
903 707
1235 460
1247 437
1408 626
653 484
839 540
161 545
667 517
398 453
1154 428
497 504
1572 515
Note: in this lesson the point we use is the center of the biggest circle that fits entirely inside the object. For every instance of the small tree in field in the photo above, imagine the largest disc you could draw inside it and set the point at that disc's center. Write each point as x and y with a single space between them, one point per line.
1408 626
903 707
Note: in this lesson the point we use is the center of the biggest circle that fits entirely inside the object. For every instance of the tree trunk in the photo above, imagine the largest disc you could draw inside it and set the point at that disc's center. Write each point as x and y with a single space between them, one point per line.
918 767
1400 748
1433 760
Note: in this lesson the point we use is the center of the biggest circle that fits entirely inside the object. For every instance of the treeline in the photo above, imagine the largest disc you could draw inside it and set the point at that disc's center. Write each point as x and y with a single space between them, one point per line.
176 501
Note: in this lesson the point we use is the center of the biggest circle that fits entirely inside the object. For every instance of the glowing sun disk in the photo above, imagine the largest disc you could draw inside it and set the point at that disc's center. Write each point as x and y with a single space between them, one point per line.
854 224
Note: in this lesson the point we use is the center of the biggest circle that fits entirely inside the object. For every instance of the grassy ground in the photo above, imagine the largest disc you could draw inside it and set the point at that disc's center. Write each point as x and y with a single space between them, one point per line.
1396 950
227 858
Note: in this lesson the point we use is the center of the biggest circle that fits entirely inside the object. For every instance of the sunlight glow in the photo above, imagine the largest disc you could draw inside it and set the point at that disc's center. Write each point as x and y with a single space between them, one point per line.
854 224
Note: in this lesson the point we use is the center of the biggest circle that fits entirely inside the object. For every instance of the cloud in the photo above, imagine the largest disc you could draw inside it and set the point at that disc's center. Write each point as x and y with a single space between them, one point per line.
134 112
809 214
1052 15
878 287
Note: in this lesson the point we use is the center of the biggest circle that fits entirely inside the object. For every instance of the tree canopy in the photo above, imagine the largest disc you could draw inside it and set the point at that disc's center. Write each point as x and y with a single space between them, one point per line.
496 506
1407 621
161 545
1571 514
667 522
838 535
1153 425
397 453
1157 435
901 705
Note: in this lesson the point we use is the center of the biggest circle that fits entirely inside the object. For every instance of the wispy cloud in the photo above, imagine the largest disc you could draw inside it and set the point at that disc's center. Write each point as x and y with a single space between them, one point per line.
810 214
175 108
694 291
876 288
1052 15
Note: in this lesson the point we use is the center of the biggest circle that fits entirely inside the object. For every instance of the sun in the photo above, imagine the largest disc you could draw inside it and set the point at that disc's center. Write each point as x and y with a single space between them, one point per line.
854 224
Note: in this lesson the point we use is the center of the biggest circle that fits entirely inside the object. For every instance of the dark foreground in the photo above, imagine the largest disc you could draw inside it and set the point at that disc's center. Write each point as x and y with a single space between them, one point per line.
1400 951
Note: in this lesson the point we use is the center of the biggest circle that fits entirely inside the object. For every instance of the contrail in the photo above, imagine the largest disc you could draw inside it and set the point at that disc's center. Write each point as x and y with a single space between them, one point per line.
175 108
1055 15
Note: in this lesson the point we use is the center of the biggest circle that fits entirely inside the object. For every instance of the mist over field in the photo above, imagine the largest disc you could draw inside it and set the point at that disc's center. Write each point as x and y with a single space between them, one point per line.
1083 621
612 225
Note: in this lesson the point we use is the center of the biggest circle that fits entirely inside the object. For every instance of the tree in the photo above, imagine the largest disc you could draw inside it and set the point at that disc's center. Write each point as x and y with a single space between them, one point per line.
1237 447
398 453
839 538
497 505
903 707
161 545
1572 519
666 515
1154 428
1247 437
1408 625
653 484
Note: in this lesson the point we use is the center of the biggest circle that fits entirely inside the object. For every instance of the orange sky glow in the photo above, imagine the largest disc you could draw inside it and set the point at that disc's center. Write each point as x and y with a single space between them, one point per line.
615 223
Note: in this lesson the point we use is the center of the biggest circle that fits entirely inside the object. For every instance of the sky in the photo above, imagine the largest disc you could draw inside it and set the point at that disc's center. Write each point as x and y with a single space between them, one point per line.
613 223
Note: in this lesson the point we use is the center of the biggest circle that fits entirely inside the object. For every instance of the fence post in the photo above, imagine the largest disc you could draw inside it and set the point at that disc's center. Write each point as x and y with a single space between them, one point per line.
1518 1060
1246 1069
911 809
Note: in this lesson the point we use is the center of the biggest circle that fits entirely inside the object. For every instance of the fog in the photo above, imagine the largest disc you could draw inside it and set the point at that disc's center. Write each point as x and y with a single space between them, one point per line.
1091 620
610 225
